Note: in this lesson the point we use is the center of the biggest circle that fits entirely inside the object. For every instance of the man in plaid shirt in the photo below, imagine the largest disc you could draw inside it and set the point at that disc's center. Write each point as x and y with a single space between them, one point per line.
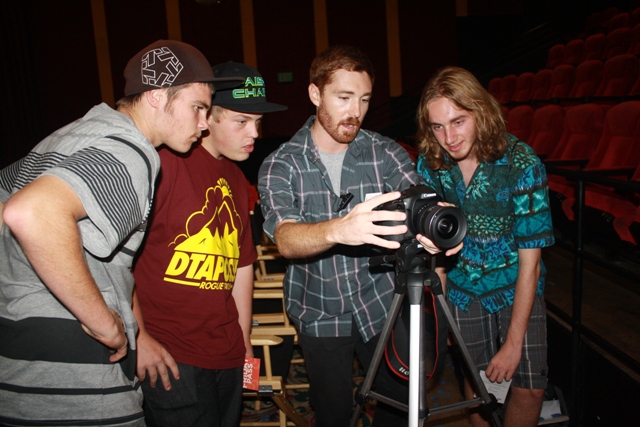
317 193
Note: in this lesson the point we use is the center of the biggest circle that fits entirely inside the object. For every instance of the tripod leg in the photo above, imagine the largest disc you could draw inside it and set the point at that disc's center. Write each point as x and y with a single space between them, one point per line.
418 410
362 394
489 401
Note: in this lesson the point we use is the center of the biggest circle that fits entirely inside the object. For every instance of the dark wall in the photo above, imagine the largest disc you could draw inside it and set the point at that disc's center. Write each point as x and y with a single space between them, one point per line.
49 70
49 73
285 43
51 76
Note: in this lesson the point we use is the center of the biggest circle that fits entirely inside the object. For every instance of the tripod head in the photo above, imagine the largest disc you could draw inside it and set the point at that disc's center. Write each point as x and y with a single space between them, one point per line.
410 262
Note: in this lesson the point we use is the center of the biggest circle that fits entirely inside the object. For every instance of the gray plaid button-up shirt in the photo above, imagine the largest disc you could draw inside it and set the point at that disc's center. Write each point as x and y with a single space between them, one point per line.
326 292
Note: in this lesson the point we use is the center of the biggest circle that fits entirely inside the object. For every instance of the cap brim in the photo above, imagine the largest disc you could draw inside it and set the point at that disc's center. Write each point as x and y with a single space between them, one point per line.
256 108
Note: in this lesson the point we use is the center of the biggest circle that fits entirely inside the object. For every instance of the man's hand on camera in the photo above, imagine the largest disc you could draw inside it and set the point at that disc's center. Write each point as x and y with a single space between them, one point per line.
433 249
357 227
430 247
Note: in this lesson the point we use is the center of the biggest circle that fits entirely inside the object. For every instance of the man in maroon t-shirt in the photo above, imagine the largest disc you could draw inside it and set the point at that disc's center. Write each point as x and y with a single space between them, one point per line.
194 276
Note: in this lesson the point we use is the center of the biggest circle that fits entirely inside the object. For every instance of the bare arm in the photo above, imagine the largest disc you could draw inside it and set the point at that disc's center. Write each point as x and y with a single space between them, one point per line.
43 217
243 295
152 358
505 362
300 240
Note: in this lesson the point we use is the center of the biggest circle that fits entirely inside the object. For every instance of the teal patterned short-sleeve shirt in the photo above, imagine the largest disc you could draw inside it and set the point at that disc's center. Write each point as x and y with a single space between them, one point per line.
507 208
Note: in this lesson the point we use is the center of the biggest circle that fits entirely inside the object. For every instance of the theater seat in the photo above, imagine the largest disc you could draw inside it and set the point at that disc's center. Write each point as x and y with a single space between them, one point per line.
594 23
507 88
617 156
524 85
574 51
582 130
618 42
599 216
594 46
635 89
634 44
626 214
628 227
555 56
587 79
619 75
617 21
562 81
634 17
494 87
541 85
520 121
547 128
607 14
613 215
619 146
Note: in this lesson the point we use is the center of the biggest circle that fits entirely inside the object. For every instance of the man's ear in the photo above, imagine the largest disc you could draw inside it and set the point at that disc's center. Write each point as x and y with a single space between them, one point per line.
314 94
154 97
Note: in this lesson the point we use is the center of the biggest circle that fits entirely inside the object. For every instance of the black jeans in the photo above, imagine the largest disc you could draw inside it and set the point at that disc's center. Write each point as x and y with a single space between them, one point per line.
201 397
329 363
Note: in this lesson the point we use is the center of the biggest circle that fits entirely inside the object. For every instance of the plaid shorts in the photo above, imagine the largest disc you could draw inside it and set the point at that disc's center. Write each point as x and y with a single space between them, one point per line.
483 333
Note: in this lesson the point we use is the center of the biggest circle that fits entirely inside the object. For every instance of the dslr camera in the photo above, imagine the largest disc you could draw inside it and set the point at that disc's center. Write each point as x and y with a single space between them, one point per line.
445 226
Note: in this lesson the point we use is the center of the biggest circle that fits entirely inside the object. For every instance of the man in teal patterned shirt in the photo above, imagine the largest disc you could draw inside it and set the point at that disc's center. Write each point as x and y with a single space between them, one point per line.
495 284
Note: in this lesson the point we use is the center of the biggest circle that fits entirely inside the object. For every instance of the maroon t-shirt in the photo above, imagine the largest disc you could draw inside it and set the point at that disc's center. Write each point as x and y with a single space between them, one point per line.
198 237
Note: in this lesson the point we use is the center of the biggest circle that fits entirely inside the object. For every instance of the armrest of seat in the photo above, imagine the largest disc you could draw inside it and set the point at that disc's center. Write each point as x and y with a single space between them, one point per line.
628 172
581 163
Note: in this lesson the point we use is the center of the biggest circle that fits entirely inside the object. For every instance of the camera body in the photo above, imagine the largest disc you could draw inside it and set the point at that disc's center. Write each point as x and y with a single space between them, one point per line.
445 226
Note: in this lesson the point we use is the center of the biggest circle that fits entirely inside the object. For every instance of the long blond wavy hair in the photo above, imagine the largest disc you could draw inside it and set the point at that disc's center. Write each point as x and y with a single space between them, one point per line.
466 92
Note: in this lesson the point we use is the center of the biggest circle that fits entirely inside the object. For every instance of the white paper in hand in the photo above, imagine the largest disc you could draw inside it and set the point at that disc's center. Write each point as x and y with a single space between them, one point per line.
499 390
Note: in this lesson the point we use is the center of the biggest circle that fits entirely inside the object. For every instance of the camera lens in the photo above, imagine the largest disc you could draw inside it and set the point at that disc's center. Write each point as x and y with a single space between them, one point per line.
445 226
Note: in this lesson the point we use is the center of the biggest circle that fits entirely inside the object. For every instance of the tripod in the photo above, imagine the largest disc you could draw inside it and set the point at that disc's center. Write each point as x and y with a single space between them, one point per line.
412 276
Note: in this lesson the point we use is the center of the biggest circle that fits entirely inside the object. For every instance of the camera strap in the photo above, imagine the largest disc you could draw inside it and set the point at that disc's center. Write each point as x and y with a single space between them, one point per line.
343 202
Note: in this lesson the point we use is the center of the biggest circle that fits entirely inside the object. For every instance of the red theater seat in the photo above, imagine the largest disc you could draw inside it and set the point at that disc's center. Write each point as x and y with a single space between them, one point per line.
594 46
628 227
635 90
520 121
574 51
562 81
617 21
617 153
494 87
634 45
587 78
594 23
555 56
548 125
618 42
541 85
619 75
524 84
634 17
619 146
507 88
609 13
582 130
